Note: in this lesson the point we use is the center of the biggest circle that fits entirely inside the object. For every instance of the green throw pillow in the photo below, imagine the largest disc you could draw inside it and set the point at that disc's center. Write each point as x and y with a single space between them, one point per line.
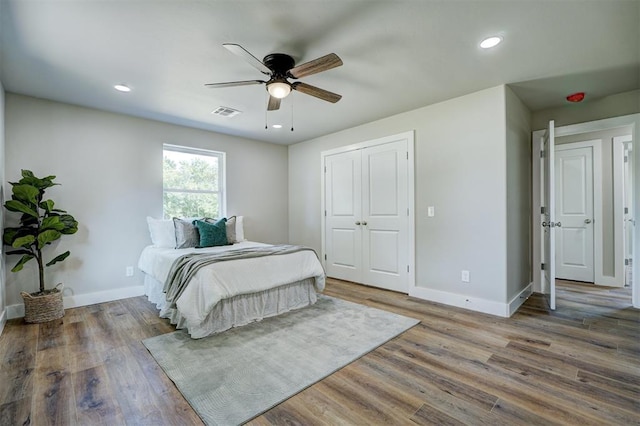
212 234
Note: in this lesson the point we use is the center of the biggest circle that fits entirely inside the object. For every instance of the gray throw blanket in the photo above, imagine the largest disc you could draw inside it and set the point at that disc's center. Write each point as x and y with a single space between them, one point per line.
185 267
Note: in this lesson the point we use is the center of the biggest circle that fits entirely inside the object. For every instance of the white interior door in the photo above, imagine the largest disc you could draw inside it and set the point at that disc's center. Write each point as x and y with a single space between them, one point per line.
343 211
574 214
385 216
629 217
548 223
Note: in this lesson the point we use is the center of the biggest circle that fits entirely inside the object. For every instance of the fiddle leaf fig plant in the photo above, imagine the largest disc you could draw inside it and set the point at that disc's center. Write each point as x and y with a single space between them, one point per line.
40 223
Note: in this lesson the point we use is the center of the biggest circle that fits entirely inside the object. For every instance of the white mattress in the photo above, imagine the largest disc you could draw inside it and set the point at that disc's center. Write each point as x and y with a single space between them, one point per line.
228 280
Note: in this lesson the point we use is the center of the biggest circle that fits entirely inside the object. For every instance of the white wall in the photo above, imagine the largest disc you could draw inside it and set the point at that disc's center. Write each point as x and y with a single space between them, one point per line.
110 170
519 230
617 105
460 168
3 313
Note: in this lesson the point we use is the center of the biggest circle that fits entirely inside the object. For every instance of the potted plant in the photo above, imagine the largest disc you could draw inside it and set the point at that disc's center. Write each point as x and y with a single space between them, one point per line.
40 225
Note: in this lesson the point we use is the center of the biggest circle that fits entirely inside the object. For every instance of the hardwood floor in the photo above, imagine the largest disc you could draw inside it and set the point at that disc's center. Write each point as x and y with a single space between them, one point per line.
577 365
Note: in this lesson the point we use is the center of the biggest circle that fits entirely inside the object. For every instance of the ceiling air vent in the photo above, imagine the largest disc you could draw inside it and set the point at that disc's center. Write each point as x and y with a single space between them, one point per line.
225 112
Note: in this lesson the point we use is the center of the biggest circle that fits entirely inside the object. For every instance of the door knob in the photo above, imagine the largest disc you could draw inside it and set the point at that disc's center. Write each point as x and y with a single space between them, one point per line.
358 223
559 224
587 221
364 223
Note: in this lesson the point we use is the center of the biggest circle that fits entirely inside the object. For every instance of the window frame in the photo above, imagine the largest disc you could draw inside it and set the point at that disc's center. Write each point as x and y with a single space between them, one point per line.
222 168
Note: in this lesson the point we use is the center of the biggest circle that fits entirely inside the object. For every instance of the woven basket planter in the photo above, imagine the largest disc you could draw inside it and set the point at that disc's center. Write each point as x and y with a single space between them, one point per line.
43 308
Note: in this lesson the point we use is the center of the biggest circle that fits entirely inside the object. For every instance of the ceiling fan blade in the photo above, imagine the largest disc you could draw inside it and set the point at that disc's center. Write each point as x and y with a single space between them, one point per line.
240 51
317 65
308 89
274 103
235 83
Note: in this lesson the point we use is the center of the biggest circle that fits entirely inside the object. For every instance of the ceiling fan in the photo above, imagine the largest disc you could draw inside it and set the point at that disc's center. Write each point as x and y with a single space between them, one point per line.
280 67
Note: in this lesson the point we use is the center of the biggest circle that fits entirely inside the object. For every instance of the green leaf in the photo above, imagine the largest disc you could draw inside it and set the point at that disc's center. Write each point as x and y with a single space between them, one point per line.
27 173
26 193
52 222
24 241
59 258
18 206
9 235
47 237
21 262
47 205
19 252
70 224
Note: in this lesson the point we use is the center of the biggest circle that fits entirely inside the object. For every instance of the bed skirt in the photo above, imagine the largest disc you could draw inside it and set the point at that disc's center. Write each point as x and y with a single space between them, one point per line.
239 310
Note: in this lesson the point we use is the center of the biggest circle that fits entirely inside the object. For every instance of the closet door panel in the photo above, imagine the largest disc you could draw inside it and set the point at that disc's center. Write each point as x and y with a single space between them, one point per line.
343 206
385 215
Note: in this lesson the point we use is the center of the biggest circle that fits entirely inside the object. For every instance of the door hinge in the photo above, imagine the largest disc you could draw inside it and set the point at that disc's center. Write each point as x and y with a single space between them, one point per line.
626 210
407 211
325 213
541 210
542 266
325 169
626 159
626 262
541 154
407 155
407 268
325 257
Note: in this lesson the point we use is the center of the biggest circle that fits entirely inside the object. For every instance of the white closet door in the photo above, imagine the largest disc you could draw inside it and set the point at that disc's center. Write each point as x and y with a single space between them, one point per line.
343 205
385 216
574 211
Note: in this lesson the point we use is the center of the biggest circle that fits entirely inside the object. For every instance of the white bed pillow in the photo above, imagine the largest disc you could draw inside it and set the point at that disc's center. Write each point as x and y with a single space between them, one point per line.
239 229
163 233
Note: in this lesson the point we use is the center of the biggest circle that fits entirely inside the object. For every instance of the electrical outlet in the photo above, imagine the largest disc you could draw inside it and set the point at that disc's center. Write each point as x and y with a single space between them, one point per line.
129 271
464 276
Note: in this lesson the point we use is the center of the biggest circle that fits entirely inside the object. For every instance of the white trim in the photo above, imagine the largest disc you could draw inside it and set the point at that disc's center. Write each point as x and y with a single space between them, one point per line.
74 301
519 299
411 229
3 320
461 301
618 208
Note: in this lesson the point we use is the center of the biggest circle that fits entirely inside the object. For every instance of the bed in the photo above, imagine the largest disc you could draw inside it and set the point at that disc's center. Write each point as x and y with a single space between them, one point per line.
247 285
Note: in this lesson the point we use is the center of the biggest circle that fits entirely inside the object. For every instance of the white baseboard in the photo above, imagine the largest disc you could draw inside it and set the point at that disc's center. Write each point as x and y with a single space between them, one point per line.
3 320
461 301
73 301
520 298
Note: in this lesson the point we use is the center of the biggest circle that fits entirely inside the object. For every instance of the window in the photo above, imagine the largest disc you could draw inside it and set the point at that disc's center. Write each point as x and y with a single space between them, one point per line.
193 182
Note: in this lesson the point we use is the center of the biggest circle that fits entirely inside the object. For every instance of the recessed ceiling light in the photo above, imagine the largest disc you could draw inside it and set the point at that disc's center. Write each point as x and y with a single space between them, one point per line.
277 126
122 88
490 42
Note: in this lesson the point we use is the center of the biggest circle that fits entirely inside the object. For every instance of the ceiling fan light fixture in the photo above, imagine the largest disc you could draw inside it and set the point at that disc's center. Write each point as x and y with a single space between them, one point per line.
490 42
279 89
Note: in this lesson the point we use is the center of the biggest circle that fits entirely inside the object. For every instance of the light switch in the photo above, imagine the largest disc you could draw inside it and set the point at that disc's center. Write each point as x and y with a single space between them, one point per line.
431 211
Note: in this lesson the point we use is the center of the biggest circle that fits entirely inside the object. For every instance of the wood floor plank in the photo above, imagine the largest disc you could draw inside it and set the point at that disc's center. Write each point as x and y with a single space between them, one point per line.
54 402
95 403
576 365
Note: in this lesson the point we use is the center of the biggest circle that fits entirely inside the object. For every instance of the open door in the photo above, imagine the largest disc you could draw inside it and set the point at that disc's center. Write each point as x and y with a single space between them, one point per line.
548 217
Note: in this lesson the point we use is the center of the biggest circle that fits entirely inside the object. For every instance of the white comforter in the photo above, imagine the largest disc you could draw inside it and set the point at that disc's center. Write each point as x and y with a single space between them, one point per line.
227 279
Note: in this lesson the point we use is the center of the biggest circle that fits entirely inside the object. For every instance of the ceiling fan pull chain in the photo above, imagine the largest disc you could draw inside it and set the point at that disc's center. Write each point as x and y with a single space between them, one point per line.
292 115
265 114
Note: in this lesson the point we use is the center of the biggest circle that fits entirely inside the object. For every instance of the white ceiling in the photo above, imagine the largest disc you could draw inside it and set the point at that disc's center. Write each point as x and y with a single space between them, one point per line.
398 55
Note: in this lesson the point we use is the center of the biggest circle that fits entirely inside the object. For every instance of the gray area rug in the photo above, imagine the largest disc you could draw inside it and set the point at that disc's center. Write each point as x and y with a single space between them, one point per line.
232 377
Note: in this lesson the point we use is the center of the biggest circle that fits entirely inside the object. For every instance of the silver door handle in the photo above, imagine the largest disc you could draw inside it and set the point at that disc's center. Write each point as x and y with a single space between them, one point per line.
587 221
358 223
559 224
364 223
